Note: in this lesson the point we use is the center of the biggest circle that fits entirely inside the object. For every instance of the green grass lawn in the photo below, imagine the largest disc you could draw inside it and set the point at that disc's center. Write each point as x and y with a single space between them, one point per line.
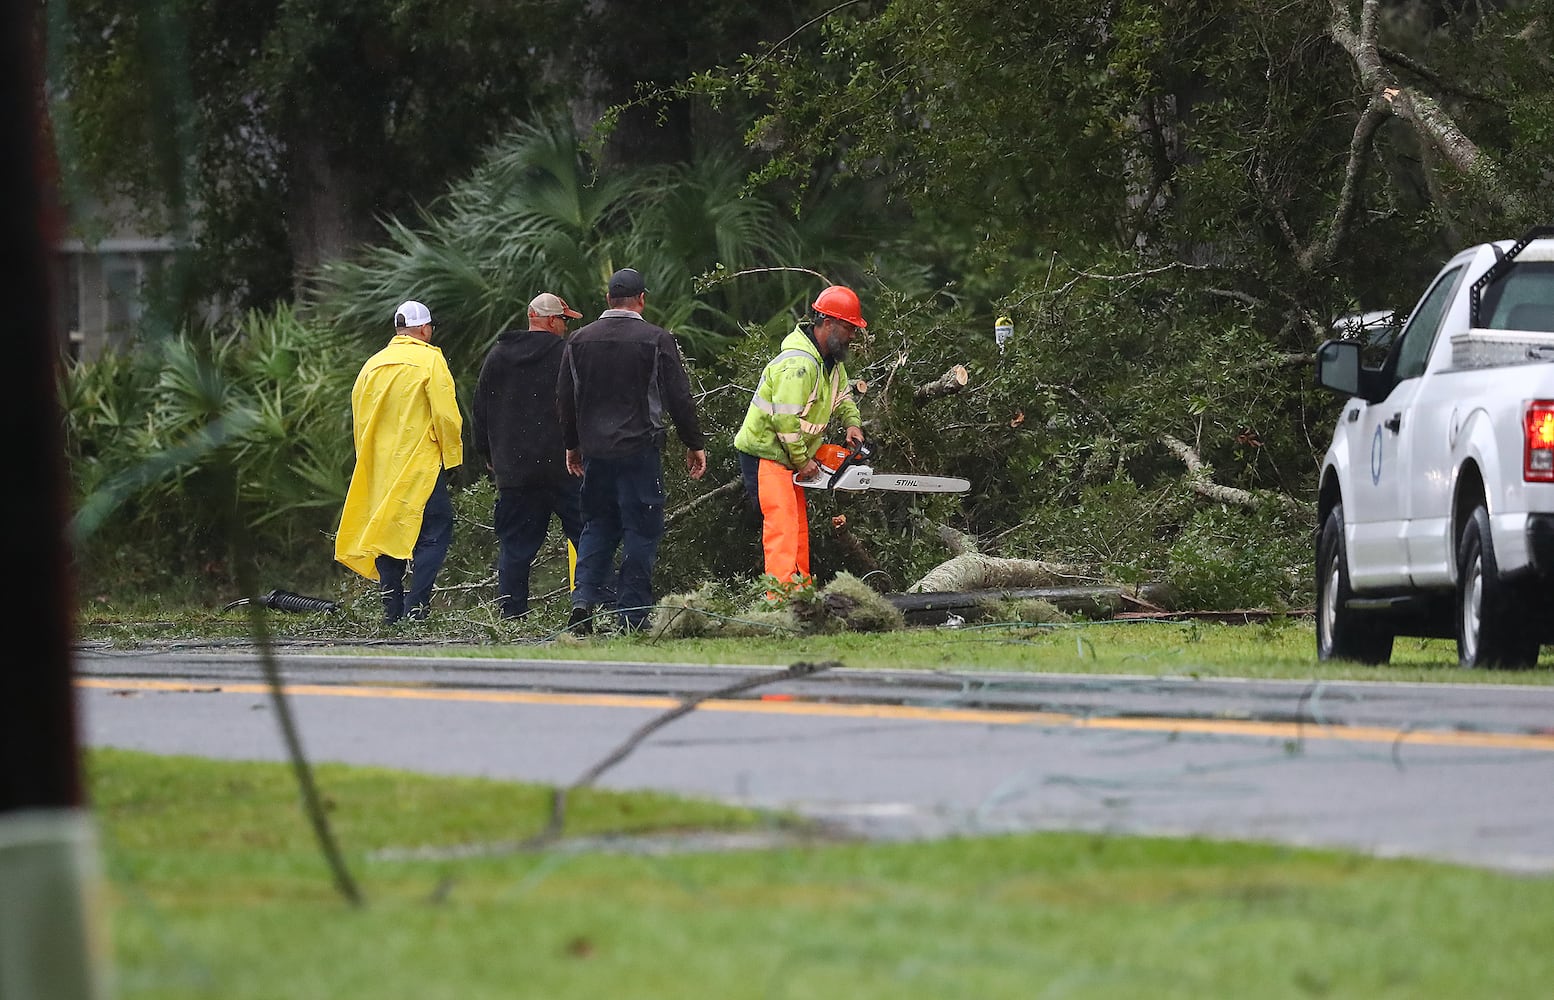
216 891
1279 648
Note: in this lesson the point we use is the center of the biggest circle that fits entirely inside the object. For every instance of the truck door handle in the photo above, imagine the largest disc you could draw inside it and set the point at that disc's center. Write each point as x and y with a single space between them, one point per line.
1395 424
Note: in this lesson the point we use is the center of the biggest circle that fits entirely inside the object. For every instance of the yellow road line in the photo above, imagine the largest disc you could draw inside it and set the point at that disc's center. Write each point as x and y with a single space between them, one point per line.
990 717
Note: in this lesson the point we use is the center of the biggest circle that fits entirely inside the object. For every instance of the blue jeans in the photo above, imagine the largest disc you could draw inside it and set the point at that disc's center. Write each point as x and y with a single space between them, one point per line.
623 506
750 472
431 548
522 519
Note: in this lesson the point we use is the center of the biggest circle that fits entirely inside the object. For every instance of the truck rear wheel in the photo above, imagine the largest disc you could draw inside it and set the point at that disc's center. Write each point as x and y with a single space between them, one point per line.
1342 632
1492 625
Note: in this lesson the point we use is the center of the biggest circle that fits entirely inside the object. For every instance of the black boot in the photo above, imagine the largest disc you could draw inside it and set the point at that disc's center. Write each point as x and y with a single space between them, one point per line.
581 621
393 606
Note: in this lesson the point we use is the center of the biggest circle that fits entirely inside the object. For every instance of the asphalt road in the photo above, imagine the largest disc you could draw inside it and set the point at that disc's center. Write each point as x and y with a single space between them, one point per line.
1441 771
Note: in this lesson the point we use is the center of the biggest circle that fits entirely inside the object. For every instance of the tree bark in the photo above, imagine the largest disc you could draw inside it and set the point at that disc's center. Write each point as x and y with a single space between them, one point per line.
1200 481
948 384
974 571
730 487
935 608
1421 111
1321 252
958 542
325 218
857 555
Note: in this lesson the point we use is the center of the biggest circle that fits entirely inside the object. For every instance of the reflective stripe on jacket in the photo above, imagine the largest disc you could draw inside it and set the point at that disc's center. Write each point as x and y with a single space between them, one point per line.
793 402
406 421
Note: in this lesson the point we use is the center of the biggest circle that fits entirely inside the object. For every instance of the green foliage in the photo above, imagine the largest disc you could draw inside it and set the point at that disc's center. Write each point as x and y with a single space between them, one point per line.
769 606
686 616
1226 559
168 445
538 216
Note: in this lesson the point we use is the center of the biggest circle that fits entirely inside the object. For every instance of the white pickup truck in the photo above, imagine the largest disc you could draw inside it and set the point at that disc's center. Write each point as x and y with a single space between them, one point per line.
1435 512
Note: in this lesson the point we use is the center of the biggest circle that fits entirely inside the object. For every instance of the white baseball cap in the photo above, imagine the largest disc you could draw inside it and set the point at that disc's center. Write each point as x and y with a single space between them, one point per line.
551 304
411 314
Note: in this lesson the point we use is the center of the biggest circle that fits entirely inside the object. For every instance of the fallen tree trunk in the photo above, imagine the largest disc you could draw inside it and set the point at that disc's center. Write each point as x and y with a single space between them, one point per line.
958 542
935 609
975 571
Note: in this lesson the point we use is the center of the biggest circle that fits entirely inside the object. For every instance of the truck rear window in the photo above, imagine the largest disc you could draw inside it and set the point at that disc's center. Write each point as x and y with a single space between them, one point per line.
1522 300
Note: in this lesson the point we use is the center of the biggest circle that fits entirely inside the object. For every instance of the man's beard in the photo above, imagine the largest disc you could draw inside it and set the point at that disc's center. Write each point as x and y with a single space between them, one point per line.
835 352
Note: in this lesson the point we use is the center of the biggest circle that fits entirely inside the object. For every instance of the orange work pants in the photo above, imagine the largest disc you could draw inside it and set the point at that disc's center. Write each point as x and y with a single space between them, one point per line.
784 522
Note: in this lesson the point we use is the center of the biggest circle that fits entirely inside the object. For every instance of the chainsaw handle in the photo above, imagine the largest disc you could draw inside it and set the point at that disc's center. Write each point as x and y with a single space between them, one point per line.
855 457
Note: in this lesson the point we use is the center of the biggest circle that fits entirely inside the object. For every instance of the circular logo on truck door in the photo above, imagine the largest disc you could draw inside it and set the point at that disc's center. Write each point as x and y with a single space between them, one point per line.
1376 458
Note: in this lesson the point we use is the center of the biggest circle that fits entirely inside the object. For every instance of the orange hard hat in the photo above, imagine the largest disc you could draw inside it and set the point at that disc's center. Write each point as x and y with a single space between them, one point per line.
840 302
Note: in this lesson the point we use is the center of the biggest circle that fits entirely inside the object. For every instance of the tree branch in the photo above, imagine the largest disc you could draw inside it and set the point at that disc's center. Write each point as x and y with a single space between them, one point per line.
890 378
1145 273
1421 111
974 571
948 384
1281 361
1200 481
958 542
1430 76
853 547
1244 298
1260 178
1320 253
730 487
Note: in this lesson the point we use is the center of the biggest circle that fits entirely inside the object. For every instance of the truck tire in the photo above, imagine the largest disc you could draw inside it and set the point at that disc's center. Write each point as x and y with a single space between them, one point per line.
1342 632
1492 625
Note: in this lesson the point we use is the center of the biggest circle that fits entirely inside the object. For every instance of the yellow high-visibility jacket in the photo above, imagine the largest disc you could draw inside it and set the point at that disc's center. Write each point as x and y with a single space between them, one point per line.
793 403
407 427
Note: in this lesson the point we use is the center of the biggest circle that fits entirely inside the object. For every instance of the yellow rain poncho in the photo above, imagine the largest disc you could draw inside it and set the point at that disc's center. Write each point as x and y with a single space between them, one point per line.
407 429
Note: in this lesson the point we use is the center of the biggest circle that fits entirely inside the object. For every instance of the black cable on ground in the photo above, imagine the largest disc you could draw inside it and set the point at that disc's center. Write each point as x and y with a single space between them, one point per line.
285 600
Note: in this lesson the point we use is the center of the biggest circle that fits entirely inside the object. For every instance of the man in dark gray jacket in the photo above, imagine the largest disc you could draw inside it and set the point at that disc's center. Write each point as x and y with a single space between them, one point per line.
619 376
518 435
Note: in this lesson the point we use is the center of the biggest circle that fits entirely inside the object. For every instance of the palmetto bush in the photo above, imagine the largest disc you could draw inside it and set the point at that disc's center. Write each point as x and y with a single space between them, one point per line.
168 445
535 217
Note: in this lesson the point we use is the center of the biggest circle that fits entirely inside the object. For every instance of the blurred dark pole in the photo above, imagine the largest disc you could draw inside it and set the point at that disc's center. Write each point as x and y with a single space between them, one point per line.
38 760
52 945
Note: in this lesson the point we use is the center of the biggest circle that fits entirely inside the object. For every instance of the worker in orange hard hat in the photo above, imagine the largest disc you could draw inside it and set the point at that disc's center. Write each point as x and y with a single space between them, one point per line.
799 392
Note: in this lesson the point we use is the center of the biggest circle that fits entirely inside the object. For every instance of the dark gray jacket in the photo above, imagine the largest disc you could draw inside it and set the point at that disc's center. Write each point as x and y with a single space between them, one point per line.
620 376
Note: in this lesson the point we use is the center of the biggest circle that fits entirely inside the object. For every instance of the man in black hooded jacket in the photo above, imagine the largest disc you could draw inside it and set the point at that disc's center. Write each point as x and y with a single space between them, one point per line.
518 435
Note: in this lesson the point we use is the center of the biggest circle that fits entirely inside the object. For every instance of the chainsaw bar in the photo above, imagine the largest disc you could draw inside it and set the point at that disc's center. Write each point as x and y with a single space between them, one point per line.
900 483
856 478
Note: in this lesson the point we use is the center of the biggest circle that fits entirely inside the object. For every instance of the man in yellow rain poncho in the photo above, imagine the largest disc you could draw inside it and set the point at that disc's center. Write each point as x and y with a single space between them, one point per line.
408 435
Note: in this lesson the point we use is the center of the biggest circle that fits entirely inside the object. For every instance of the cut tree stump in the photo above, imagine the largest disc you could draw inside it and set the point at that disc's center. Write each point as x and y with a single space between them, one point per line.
948 384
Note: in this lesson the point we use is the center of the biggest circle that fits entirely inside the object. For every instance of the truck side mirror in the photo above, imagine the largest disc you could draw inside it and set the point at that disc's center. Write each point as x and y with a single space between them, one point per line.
1338 366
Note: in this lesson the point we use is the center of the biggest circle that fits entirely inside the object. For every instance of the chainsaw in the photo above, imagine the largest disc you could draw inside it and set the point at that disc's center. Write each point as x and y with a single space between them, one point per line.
840 469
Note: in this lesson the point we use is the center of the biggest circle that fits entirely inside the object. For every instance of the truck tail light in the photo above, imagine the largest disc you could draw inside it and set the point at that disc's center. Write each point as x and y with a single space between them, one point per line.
1538 437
